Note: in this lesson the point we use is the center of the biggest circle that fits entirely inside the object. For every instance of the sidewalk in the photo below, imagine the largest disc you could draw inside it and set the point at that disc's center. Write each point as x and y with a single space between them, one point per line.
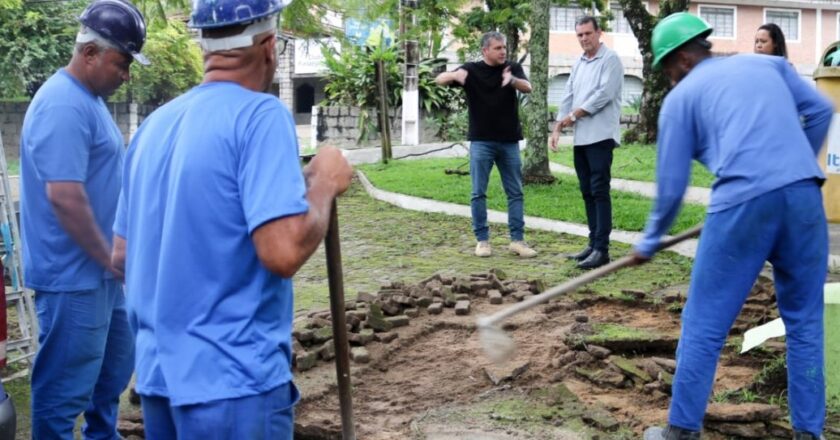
647 189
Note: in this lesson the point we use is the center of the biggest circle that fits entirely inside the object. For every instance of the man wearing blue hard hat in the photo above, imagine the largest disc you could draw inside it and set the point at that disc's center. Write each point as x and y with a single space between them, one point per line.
765 206
71 154
215 217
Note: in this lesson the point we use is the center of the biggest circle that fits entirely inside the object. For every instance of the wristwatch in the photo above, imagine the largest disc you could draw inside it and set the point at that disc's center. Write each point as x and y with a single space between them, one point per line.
572 116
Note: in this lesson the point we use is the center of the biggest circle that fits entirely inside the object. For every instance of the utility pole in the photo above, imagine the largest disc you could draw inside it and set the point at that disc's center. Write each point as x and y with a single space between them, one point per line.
410 94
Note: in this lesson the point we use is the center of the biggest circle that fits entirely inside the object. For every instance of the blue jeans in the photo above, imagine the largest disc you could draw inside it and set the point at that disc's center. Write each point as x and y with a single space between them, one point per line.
505 155
84 362
786 227
268 416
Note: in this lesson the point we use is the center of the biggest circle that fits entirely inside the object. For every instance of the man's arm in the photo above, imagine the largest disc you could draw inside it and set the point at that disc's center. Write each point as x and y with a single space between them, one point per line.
675 149
816 109
458 76
284 244
71 206
118 256
608 89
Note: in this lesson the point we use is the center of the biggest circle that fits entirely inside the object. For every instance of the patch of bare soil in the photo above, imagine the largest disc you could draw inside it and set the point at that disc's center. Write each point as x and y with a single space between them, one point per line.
434 382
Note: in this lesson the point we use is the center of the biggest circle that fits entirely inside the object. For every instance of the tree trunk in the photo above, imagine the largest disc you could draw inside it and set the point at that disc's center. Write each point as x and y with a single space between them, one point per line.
656 86
535 167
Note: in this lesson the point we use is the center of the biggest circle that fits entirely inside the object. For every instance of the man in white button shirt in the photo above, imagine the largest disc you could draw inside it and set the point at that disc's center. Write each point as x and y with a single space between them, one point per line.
592 105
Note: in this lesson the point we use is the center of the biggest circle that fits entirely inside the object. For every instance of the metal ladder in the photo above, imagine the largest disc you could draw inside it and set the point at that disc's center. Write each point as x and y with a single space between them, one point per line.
22 344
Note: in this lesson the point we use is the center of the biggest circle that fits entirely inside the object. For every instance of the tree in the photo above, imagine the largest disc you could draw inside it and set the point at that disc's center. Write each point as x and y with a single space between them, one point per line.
535 168
656 86
510 17
176 65
36 39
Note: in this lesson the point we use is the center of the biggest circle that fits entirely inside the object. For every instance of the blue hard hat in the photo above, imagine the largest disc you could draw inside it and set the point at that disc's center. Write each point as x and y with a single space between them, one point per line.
119 22
208 14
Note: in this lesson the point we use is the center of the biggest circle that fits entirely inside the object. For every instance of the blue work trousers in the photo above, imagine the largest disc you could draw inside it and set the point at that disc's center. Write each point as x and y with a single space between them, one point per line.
786 227
84 362
266 416
505 155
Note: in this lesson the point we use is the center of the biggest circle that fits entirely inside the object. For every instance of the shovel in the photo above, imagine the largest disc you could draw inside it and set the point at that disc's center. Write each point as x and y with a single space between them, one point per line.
498 346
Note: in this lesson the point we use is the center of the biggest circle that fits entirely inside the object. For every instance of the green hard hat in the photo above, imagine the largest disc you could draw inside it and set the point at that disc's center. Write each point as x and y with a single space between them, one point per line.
674 31
833 59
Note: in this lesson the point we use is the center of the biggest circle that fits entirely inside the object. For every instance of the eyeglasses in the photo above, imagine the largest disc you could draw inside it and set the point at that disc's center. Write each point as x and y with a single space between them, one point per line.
281 44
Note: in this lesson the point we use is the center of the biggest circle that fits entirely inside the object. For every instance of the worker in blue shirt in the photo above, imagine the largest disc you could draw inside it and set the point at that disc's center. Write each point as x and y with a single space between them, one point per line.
71 154
215 217
757 126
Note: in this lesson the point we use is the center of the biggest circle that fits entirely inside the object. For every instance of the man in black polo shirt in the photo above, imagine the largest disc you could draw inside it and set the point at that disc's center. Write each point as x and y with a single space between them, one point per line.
491 85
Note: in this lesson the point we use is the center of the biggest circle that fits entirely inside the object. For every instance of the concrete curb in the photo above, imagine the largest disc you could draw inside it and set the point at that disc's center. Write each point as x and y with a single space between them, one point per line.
686 248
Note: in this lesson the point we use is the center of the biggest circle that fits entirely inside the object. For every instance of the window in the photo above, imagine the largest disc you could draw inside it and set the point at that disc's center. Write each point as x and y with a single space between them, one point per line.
619 24
786 19
721 18
838 25
563 18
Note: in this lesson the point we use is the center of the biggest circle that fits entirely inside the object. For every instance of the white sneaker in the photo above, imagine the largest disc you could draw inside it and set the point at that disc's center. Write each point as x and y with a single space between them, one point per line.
522 249
482 249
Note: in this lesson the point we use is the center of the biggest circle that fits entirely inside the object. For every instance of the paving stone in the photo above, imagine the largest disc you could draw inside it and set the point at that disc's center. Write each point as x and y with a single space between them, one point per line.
669 365
498 373
327 351
601 419
398 321
359 355
740 430
628 368
296 346
353 321
322 334
581 318
363 337
500 274
495 296
411 313
391 307
402 300
385 337
376 319
449 299
424 301
359 314
316 323
602 377
306 360
744 412
519 295
462 297
597 351
462 286
462 308
365 297
436 309
537 285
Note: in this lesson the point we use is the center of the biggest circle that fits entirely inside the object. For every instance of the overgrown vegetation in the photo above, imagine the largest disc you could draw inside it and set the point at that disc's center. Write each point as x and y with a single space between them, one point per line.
36 39
176 66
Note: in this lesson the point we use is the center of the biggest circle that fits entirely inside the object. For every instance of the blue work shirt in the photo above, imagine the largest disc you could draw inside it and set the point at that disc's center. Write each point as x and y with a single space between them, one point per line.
68 136
750 119
201 174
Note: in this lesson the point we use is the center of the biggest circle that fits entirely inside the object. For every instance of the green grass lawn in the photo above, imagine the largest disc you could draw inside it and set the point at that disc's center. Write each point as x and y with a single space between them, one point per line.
559 201
381 243
636 162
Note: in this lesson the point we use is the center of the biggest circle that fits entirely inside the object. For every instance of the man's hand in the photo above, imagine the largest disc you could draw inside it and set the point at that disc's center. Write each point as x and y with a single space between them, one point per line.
507 77
329 166
446 78
555 137
639 259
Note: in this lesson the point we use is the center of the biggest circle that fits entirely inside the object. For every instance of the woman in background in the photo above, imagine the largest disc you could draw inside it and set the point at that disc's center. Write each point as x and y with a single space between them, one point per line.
770 40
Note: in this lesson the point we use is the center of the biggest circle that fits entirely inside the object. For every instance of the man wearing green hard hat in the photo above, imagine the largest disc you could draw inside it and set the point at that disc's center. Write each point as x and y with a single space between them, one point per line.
757 126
